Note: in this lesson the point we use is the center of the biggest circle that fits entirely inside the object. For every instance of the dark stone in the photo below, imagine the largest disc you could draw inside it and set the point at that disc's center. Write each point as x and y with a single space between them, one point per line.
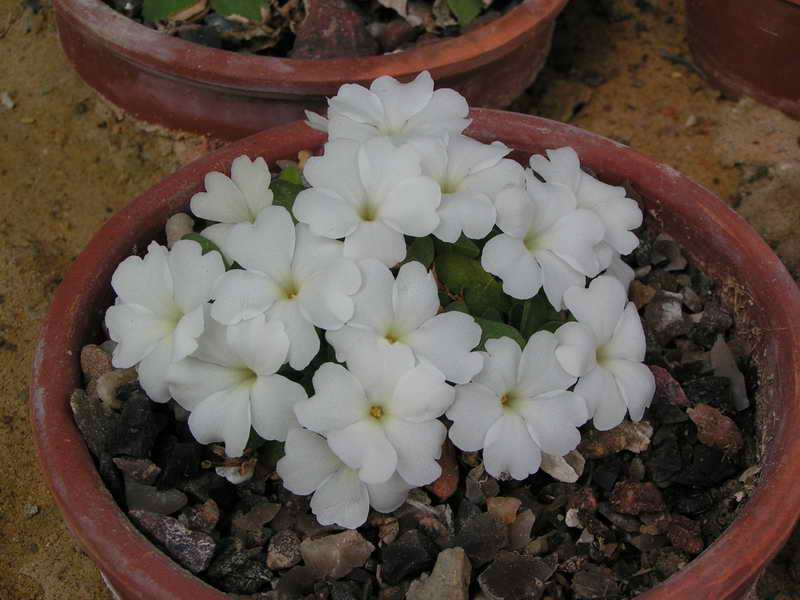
247 579
284 550
333 29
411 553
606 472
204 35
142 470
296 583
711 390
466 511
685 534
192 549
345 590
232 556
396 33
178 460
627 523
515 577
715 320
633 498
110 476
138 425
150 499
480 485
129 8
203 486
668 562
664 317
249 525
482 537
95 421
665 461
708 467
692 504
595 582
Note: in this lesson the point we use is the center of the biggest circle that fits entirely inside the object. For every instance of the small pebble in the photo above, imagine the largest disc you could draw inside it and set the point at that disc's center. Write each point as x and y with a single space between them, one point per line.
632 498
482 537
192 549
505 509
336 555
150 499
95 361
715 429
519 533
447 483
449 580
177 226
109 383
515 577
685 534
411 553
284 550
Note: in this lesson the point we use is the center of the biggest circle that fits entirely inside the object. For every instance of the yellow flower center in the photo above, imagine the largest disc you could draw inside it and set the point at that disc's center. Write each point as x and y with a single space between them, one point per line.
376 412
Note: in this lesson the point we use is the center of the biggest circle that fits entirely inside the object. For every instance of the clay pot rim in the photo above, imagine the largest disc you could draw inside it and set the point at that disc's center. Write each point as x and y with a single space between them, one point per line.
174 57
759 530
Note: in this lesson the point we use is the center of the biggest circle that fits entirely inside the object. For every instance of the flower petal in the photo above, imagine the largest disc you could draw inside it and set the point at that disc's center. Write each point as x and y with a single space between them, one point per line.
573 238
577 348
153 371
515 212
418 447
273 400
326 212
410 206
339 400
561 166
146 281
224 417
348 340
474 411
509 259
267 245
336 171
261 345
188 329
364 446
307 462
500 365
136 330
414 296
505 174
401 101
539 371
312 253
303 338
193 274
380 368
421 394
382 166
618 269
628 341
472 213
191 380
241 295
600 305
388 496
603 398
373 239
357 103
636 384
446 112
252 178
557 277
374 302
553 420
446 342
510 449
222 201
342 499
212 345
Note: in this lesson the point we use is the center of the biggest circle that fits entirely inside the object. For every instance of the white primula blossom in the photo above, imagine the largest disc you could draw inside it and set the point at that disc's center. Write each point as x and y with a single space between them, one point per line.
340 497
235 199
392 109
605 348
158 313
291 275
381 415
370 195
230 384
402 313
547 242
470 174
517 407
618 213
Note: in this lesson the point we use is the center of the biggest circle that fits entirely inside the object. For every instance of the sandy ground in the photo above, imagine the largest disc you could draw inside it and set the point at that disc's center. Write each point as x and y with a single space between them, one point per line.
67 161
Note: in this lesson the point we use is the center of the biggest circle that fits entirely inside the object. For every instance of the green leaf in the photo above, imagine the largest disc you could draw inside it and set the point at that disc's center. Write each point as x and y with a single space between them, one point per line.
206 245
292 175
465 10
162 10
247 9
463 275
466 246
284 192
457 305
535 313
421 250
495 329
269 453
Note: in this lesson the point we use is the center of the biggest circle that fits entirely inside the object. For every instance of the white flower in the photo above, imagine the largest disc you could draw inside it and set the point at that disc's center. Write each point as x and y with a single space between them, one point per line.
618 213
470 174
517 408
605 348
380 416
393 109
159 309
403 313
340 497
546 242
620 270
370 195
235 199
291 275
230 384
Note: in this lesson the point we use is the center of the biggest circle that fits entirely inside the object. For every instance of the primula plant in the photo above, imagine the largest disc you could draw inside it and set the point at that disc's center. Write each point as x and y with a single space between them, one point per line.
407 279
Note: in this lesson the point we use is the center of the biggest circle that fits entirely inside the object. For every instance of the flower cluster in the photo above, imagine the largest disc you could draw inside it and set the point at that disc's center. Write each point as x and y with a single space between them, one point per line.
406 273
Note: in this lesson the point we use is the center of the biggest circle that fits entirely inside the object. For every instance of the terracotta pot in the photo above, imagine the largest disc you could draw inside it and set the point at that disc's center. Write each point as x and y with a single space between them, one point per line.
756 285
186 86
749 48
